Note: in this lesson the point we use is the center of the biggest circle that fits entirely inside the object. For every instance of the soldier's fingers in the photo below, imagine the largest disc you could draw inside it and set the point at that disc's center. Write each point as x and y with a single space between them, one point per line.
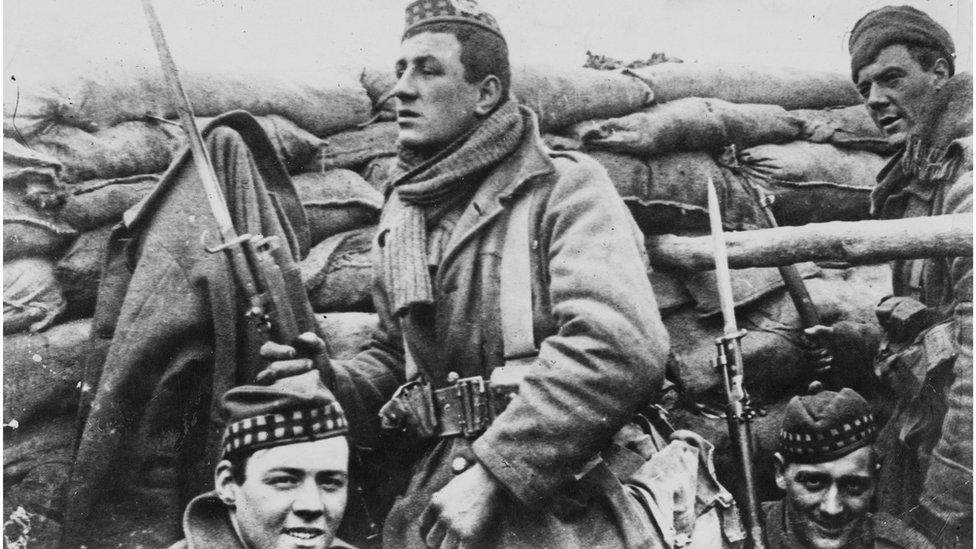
818 331
429 518
436 534
276 351
450 541
283 368
310 342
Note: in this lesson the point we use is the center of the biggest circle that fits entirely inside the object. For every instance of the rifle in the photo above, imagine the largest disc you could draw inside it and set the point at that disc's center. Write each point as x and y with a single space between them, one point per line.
738 413
791 277
254 259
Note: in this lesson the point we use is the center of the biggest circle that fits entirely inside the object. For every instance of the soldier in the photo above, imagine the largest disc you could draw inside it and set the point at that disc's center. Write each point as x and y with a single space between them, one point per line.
828 467
497 255
902 64
282 480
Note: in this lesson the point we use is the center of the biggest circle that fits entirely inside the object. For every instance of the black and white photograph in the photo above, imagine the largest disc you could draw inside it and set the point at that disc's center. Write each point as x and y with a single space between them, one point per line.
296 274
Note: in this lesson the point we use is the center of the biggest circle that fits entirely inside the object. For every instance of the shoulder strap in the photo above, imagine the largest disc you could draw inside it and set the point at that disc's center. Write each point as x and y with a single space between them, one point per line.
515 297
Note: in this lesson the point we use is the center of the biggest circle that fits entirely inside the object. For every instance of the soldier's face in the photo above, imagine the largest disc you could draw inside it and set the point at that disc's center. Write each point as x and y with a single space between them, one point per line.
293 496
434 104
896 90
826 503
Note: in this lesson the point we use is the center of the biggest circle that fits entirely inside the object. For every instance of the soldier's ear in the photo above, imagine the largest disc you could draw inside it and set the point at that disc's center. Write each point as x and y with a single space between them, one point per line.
224 483
780 467
940 73
489 95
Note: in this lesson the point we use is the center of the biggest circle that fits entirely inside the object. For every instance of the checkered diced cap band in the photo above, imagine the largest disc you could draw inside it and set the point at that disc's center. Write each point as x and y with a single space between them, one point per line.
826 426
292 409
288 427
425 12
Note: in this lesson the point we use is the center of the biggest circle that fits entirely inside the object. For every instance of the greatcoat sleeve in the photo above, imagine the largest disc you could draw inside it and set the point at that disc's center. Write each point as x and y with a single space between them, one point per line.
607 356
947 491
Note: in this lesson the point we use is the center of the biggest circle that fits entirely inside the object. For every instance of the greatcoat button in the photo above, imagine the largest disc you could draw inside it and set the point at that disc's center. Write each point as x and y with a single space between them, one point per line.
459 465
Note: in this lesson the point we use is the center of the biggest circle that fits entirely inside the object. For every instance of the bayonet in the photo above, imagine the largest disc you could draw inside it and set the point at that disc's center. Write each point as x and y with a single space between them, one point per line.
738 413
254 259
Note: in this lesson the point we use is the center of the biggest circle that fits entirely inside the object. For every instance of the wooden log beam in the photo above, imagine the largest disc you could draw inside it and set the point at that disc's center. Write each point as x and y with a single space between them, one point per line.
852 241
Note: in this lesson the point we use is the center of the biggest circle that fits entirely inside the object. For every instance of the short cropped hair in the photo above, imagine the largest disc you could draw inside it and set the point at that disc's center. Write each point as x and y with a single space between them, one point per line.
483 53
926 56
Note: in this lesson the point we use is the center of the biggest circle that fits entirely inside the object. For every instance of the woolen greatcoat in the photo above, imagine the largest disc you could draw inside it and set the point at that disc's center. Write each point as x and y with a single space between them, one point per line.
169 337
602 351
927 355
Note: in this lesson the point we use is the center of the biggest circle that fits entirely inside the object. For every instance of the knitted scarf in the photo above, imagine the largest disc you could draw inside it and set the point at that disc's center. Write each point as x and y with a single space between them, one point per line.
425 188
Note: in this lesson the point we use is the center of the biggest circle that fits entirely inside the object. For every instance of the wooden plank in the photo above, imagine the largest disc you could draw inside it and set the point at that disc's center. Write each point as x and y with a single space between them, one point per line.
872 241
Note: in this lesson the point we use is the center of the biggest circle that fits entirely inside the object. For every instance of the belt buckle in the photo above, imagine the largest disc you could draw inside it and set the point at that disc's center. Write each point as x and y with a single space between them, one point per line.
475 412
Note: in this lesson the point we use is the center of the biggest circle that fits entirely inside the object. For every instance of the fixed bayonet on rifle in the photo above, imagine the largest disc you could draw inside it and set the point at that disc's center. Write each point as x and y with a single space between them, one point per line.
254 259
738 413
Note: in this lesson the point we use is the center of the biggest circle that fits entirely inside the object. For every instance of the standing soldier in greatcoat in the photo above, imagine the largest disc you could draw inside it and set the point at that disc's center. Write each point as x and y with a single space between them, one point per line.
497 258
902 64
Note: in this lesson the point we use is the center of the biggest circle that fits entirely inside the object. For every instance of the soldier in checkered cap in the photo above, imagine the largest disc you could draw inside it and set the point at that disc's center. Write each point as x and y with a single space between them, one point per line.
474 189
282 480
828 467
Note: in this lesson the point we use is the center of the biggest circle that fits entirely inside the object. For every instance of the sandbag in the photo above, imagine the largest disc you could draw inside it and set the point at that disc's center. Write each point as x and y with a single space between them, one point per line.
667 193
32 192
32 297
559 96
377 171
41 385
669 289
346 334
748 286
337 201
30 169
562 97
103 95
129 148
338 272
41 372
97 203
847 128
803 161
36 464
353 148
789 88
692 124
149 146
811 182
378 83
80 269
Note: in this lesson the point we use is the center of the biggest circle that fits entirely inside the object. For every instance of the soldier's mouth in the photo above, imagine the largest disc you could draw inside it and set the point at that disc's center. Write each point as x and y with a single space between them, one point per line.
304 534
890 123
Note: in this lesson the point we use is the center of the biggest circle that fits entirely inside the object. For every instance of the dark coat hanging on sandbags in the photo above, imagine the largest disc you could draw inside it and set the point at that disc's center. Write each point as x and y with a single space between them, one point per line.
168 336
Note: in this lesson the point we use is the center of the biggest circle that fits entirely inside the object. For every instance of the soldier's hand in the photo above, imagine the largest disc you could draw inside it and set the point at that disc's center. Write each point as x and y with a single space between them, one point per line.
289 360
818 343
460 513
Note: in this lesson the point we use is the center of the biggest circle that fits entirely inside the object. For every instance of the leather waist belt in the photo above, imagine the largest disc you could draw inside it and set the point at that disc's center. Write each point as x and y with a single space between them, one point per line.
465 408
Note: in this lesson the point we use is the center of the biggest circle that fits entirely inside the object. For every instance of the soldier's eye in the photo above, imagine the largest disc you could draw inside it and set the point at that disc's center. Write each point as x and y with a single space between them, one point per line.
281 481
855 487
813 482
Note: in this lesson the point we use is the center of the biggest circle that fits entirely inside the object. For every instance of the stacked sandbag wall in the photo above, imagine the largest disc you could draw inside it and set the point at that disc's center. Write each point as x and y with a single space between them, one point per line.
80 151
